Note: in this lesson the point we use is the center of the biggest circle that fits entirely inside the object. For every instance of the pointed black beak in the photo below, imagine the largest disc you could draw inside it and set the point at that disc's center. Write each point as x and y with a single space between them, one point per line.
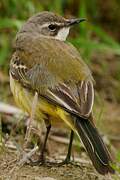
71 22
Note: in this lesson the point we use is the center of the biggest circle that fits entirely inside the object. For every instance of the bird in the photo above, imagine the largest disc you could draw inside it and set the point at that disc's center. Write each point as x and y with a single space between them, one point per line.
50 81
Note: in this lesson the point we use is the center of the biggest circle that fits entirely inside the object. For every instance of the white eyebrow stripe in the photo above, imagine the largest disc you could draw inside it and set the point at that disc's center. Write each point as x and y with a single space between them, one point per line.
54 23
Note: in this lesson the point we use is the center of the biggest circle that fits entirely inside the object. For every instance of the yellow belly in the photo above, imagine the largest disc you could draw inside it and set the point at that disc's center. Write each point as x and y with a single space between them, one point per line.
24 97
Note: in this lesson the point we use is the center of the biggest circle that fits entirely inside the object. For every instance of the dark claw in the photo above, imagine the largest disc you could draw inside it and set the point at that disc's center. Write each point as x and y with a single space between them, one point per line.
38 162
66 161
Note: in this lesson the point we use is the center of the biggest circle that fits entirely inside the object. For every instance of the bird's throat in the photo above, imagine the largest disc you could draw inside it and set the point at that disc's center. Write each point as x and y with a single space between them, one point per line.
62 34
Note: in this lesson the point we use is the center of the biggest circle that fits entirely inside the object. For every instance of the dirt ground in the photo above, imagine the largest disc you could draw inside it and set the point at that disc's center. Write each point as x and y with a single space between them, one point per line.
80 169
76 171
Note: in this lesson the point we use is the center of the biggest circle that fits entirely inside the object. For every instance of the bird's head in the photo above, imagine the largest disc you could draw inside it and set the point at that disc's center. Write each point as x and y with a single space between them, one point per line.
50 25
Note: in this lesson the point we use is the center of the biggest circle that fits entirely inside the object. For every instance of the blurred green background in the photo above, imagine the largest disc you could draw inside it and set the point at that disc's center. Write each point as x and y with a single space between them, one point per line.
98 41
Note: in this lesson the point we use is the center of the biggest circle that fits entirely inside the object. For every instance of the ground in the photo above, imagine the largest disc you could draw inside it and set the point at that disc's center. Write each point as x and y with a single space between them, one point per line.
80 169
75 171
57 146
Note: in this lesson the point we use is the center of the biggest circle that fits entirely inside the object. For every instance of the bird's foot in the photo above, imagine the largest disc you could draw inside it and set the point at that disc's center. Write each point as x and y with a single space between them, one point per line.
58 164
26 156
41 161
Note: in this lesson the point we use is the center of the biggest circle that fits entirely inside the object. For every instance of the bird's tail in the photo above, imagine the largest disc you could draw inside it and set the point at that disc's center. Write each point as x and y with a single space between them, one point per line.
94 145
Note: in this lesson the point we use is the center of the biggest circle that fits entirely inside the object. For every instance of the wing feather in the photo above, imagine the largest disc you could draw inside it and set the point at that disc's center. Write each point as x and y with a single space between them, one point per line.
80 105
38 78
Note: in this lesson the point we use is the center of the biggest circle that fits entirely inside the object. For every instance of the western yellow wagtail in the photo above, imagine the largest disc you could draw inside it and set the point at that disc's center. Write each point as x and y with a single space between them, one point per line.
46 68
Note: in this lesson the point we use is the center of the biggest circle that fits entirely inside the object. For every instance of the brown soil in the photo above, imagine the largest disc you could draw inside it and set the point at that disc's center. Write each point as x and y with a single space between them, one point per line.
77 171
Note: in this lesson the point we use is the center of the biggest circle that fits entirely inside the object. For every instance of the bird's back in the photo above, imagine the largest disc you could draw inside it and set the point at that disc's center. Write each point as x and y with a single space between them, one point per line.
55 55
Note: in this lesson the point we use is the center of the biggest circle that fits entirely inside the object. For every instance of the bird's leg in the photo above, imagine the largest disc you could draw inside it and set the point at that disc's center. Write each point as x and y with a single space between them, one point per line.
41 159
67 159
29 126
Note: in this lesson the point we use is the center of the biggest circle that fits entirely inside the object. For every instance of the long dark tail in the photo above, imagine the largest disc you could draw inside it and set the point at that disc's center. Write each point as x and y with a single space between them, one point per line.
94 145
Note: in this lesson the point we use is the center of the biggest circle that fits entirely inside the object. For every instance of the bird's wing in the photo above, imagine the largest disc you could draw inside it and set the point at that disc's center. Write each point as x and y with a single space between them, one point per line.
79 103
77 99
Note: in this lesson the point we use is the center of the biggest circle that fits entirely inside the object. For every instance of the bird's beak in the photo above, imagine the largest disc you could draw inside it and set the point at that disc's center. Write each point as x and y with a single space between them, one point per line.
71 22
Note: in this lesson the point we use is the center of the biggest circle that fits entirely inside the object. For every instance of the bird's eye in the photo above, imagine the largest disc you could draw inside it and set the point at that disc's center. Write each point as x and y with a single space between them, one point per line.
52 27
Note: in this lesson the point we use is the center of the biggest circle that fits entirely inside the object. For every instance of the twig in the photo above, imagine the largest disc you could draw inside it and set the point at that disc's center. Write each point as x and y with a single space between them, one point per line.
114 137
62 140
59 139
10 145
8 109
